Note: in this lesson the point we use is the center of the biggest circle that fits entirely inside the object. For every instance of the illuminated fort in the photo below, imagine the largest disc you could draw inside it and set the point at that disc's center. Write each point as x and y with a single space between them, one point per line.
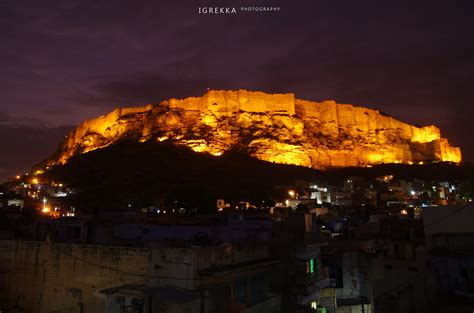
271 127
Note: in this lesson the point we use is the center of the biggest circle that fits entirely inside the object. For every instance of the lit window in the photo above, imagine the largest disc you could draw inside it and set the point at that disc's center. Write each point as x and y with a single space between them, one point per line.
311 266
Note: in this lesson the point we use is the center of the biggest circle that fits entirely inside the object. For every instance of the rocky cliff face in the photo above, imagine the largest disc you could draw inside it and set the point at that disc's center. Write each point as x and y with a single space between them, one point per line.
271 127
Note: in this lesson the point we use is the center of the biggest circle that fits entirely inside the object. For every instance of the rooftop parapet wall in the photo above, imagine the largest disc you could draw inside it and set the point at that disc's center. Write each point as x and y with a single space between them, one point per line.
57 277
52 277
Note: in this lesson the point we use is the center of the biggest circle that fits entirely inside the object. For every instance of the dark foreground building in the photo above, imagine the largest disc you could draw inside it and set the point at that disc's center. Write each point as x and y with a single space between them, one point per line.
63 277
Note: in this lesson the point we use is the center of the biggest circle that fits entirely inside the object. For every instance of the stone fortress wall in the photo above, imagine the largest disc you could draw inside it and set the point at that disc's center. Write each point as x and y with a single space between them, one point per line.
273 127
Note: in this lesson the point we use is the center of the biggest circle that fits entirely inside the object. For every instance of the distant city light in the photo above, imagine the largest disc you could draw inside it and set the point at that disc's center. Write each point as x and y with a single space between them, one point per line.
291 193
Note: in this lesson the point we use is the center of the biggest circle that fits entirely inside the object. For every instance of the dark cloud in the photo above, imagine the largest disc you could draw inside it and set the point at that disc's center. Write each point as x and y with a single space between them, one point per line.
141 88
25 146
4 117
67 60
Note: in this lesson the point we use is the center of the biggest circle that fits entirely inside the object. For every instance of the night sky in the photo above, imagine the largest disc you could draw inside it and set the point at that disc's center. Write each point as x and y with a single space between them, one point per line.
68 60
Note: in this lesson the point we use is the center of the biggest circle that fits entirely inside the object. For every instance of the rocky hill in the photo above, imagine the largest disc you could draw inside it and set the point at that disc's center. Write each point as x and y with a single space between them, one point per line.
271 127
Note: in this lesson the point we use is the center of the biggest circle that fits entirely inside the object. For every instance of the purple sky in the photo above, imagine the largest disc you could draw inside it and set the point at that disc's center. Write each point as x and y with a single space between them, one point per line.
64 61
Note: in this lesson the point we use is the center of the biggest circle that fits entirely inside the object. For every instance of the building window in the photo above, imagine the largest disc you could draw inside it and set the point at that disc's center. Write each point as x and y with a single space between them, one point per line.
468 274
240 290
257 288
310 266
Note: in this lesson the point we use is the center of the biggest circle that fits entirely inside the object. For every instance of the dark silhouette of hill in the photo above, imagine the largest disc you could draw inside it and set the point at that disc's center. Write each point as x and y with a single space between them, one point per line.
148 173
161 173
430 172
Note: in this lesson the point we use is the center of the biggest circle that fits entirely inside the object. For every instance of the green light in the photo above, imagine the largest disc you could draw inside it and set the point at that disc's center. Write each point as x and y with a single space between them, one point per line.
311 266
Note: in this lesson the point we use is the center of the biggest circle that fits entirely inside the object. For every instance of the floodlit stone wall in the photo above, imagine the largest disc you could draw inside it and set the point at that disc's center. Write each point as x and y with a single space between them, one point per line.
271 127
